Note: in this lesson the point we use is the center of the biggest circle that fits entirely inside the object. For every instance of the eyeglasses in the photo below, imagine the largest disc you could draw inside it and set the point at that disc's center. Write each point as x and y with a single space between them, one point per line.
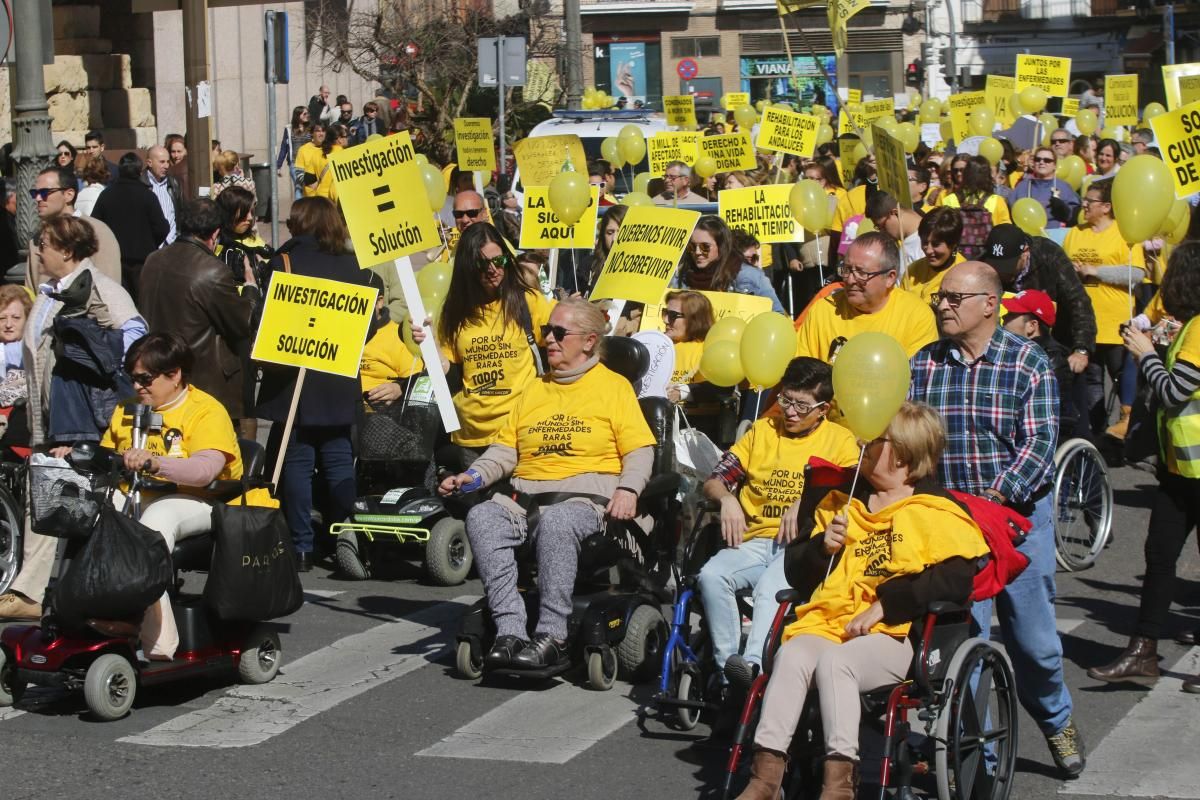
459 213
671 177
143 379
559 332
858 273
1088 201
670 317
64 153
954 299
803 409
700 248
499 262
1060 141
1043 160
43 194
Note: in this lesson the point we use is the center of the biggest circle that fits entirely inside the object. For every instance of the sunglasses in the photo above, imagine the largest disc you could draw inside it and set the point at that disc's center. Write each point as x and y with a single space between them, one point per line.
559 332
1060 141
459 213
700 248
954 299
62 153
42 194
143 379
499 262
1037 160
670 317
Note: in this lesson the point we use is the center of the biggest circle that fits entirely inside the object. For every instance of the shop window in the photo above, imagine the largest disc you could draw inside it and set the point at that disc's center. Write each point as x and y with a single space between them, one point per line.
695 46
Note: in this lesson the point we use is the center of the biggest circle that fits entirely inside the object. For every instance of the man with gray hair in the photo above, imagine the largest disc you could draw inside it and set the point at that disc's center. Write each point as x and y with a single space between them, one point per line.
678 177
165 188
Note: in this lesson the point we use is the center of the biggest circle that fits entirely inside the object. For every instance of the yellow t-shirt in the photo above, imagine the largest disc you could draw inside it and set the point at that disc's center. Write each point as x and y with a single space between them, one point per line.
687 362
497 365
850 204
901 539
774 462
832 320
196 422
994 203
385 358
1111 304
310 158
563 430
923 280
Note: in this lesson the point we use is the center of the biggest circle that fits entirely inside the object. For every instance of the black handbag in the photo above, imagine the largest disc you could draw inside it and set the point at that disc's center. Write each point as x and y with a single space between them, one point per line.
122 569
397 431
253 573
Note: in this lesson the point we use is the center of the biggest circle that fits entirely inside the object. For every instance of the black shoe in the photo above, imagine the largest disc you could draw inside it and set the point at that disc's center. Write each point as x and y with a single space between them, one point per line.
1190 638
544 651
740 673
304 562
504 651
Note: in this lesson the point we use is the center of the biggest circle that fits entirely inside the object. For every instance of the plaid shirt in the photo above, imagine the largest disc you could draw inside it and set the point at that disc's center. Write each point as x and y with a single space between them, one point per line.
1000 412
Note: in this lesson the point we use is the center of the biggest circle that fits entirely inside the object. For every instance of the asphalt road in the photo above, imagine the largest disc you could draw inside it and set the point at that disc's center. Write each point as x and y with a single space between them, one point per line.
366 707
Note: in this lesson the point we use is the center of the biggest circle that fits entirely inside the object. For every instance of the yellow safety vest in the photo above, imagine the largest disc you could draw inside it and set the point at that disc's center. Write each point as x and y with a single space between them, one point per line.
1179 428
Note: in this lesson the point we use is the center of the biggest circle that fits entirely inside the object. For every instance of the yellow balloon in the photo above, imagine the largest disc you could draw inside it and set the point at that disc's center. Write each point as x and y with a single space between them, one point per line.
760 105
914 100
930 111
1179 211
824 134
889 124
1114 132
406 336
1086 121
727 329
870 382
705 166
721 363
1177 234
864 226
631 132
909 136
947 129
435 186
1071 170
641 182
982 122
768 345
1014 104
809 204
1152 110
637 199
570 195
1033 99
745 116
421 159
867 135
434 278
992 150
1029 215
632 150
610 152
1142 196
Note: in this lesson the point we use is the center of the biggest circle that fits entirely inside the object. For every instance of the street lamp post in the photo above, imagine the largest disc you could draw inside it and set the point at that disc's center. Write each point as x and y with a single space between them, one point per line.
33 149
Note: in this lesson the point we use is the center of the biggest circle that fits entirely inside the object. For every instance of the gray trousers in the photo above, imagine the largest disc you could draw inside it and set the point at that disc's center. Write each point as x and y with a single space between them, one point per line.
495 532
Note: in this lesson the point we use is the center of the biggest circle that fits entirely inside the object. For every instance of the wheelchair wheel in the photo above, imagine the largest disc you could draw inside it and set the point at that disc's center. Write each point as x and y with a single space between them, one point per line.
640 651
352 556
975 746
690 688
1083 504
448 552
11 530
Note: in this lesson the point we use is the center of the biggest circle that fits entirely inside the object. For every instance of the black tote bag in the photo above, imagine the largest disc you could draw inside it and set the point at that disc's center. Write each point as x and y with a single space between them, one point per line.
253 574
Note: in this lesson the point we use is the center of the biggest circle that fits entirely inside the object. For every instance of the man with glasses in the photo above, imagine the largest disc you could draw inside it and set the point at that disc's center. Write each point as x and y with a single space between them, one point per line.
1062 142
998 399
869 300
366 125
678 192
1040 183
54 193
468 209
1141 138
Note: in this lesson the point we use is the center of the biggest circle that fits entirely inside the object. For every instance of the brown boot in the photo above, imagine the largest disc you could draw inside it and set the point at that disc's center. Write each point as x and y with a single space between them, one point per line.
766 775
1121 427
841 779
1138 660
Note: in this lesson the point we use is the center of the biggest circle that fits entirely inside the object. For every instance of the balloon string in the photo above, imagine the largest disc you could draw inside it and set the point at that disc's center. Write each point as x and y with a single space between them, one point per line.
853 486
1131 305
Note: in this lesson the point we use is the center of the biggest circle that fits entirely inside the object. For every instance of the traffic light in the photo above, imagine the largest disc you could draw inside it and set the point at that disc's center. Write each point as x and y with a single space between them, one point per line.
914 74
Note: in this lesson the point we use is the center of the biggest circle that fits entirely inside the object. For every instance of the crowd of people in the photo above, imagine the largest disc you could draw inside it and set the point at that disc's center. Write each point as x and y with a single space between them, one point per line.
1012 340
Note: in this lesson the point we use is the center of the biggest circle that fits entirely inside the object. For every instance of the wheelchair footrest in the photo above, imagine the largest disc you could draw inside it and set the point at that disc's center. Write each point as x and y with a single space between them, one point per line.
676 702
532 674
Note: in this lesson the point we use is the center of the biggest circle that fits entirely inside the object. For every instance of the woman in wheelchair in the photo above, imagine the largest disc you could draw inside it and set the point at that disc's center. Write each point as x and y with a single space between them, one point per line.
758 483
577 444
872 564
196 445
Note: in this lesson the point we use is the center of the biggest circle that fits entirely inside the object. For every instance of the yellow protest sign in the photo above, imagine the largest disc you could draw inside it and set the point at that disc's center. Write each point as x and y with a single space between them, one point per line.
730 150
1048 73
839 13
891 167
680 110
473 140
1120 99
1171 75
725 304
854 95
961 106
875 109
541 227
386 218
645 254
540 158
663 148
315 323
762 211
788 132
1189 89
735 100
999 90
1070 106
1178 135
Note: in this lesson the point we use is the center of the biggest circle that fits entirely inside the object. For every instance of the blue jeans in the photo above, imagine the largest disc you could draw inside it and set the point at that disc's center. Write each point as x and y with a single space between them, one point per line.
1026 612
297 182
308 444
758 564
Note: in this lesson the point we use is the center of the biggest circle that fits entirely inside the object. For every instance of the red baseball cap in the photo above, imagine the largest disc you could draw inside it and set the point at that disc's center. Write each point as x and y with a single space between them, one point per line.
1033 302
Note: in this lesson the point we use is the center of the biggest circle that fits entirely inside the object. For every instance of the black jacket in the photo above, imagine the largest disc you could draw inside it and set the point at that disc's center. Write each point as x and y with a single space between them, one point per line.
132 211
1052 272
325 400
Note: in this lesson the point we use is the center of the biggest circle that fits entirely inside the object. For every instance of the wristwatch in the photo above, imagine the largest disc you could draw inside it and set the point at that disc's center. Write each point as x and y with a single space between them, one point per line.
994 496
